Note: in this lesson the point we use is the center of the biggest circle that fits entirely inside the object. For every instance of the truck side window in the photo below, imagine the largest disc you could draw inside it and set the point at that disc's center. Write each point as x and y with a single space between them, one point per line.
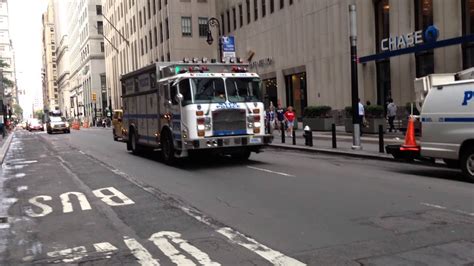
173 92
185 90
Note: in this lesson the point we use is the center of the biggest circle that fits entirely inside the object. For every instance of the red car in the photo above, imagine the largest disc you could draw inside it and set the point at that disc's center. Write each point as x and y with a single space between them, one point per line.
35 124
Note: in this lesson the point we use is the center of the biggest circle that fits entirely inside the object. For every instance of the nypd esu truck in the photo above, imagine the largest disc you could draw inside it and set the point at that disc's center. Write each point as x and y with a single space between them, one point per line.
191 107
447 118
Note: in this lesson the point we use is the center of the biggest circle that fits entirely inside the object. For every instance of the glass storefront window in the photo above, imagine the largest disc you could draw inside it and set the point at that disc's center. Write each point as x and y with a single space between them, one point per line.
424 19
296 94
468 29
382 26
270 92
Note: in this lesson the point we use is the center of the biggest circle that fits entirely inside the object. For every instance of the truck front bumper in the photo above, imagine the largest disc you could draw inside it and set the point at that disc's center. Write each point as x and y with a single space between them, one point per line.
227 142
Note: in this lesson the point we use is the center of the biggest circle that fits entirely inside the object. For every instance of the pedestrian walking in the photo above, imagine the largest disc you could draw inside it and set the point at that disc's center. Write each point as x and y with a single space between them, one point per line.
391 113
280 118
361 116
270 119
290 120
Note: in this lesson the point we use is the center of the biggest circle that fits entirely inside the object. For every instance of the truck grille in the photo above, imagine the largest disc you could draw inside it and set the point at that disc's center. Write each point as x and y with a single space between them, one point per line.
228 122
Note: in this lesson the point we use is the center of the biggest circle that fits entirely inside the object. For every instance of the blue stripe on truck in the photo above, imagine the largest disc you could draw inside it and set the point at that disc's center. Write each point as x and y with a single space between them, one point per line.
459 119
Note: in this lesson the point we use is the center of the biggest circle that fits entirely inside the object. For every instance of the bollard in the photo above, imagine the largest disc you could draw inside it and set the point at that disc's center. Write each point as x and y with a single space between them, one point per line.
294 136
381 140
282 133
334 142
308 136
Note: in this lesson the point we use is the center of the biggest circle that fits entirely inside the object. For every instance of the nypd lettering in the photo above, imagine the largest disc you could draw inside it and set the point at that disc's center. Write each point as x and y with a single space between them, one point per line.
228 105
468 96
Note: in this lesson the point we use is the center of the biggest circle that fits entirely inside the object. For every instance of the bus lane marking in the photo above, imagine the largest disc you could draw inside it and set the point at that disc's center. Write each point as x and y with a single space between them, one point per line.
140 252
270 171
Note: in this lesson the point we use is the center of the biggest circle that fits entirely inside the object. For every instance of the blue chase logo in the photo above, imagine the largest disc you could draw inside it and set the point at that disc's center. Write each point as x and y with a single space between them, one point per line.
468 96
431 34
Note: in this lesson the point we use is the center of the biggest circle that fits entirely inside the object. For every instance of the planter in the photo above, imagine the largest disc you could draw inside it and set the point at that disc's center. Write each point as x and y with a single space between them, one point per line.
373 125
319 124
348 125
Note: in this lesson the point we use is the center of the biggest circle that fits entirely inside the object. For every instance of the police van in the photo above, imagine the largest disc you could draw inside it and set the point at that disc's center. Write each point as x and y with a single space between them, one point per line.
447 118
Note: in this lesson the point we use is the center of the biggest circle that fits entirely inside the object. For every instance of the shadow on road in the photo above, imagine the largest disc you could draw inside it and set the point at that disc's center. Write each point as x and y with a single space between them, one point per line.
439 173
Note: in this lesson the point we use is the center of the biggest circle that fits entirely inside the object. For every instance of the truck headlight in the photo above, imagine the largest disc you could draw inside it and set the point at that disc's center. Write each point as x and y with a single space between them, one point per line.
201 127
257 124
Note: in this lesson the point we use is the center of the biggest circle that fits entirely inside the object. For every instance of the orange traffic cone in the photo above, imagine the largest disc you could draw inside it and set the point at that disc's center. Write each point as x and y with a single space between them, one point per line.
410 141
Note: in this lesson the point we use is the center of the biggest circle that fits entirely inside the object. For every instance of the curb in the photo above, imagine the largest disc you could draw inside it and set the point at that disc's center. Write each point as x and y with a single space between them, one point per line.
334 152
5 147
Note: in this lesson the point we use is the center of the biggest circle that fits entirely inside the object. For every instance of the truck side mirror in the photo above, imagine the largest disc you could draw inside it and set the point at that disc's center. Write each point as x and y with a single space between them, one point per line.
179 97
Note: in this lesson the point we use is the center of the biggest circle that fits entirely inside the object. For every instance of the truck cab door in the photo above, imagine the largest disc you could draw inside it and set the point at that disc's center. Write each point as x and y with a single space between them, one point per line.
175 110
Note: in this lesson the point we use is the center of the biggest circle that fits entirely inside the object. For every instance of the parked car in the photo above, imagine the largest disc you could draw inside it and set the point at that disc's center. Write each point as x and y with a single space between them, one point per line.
117 124
35 124
57 124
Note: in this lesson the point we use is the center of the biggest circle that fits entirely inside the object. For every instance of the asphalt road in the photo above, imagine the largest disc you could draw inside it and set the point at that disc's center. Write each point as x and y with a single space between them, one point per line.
280 207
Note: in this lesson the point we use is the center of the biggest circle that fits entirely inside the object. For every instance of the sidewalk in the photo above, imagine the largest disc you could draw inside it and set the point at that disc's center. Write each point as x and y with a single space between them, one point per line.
5 144
322 142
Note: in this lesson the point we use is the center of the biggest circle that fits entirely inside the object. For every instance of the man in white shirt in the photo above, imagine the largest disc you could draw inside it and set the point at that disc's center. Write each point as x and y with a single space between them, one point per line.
391 113
361 116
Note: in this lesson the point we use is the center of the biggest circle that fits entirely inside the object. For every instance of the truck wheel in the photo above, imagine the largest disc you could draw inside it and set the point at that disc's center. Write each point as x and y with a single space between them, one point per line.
167 148
467 163
134 146
241 156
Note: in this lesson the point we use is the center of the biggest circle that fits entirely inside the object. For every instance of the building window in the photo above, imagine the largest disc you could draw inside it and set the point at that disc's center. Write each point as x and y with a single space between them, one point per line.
98 9
222 24
255 9
248 11
282 4
100 27
102 48
161 32
241 16
167 26
150 39
264 8
272 6
149 10
203 28
234 16
140 18
228 21
156 36
291 2
382 31
467 29
154 7
168 56
141 44
423 19
146 44
186 27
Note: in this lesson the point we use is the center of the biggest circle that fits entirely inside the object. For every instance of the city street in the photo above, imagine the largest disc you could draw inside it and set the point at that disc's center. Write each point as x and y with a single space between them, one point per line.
82 198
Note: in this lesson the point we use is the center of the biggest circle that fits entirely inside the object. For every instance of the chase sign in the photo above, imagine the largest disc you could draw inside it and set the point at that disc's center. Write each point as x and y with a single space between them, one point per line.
411 39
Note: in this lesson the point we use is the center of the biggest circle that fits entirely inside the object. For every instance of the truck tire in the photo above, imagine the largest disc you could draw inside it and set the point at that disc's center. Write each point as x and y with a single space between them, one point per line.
241 155
467 163
134 146
167 148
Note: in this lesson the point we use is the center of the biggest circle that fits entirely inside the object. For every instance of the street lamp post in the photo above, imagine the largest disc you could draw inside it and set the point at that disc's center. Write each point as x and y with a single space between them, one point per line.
354 81
214 23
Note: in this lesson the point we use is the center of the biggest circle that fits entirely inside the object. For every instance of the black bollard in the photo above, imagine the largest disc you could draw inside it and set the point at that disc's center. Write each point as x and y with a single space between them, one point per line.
282 133
381 140
310 138
334 142
294 137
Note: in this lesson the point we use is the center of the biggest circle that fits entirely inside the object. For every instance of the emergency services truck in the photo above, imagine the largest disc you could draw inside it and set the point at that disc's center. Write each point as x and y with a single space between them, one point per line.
191 107
447 119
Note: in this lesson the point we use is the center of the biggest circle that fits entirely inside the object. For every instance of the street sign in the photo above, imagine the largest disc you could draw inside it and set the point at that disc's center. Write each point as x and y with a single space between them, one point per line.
228 46
94 97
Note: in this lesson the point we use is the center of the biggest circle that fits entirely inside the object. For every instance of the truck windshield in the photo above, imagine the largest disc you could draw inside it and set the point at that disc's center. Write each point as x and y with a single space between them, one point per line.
208 90
243 89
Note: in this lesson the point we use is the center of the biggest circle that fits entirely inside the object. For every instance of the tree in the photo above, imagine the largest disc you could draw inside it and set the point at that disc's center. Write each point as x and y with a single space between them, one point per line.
39 114
6 82
17 110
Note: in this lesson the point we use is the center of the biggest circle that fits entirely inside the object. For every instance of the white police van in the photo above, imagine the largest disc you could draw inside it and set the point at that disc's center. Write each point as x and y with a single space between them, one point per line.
447 116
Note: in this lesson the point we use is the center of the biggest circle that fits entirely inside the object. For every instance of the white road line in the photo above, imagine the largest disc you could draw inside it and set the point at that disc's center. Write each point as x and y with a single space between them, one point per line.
105 247
169 250
273 256
445 208
67 205
70 254
270 171
21 188
142 255
81 152
200 256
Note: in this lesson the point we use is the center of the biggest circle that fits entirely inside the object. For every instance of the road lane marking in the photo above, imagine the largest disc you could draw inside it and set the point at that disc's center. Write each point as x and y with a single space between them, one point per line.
143 256
169 250
265 252
106 248
67 205
270 171
20 175
45 209
70 254
21 188
268 254
200 256
445 208
115 194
